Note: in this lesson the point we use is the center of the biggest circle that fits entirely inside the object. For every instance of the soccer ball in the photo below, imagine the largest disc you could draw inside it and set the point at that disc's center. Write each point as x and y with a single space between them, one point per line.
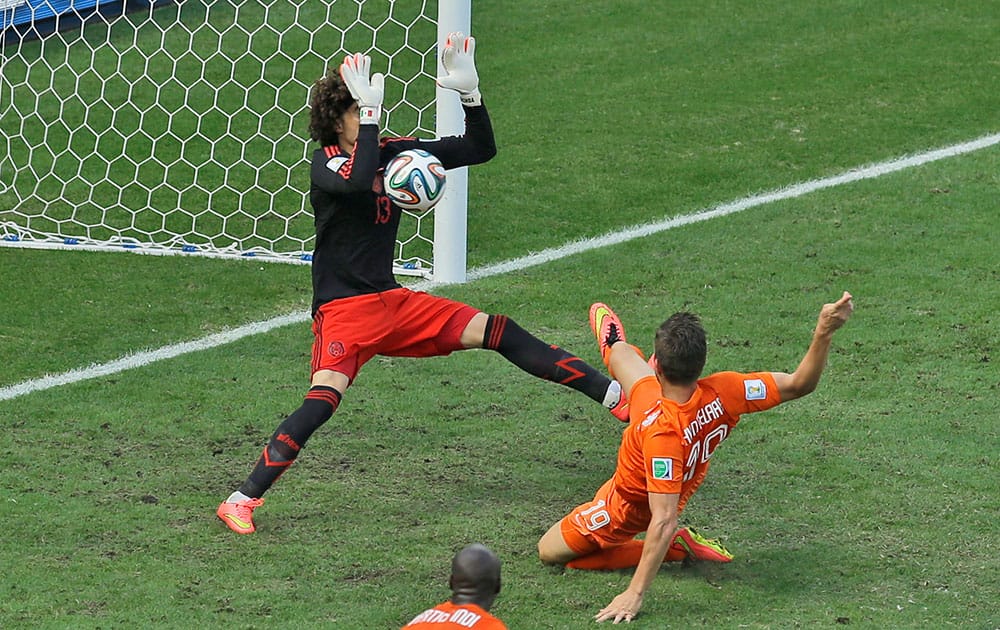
414 180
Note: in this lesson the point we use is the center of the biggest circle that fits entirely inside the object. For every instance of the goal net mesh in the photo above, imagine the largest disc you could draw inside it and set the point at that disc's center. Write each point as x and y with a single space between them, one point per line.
183 128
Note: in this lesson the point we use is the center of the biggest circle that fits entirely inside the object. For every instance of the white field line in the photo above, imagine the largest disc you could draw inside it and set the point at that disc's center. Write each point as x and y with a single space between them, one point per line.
797 190
140 359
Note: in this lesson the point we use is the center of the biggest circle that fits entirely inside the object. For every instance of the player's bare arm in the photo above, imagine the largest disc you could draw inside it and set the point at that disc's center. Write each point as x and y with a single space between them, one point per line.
806 376
661 530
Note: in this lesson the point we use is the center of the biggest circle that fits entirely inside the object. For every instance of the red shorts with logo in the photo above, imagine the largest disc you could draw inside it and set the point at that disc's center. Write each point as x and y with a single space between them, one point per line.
397 323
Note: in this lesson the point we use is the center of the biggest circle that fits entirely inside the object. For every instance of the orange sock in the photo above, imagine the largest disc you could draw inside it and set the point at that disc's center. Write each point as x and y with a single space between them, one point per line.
620 557
675 555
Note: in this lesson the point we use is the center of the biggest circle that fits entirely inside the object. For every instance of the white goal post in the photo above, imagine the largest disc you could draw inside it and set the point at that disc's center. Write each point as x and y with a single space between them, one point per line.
166 127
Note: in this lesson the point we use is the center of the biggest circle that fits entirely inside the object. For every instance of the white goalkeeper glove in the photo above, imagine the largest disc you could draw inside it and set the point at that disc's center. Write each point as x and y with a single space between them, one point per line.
367 92
459 61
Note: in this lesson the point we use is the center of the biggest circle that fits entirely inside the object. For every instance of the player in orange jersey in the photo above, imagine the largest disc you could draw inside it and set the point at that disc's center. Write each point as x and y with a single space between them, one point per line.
676 421
475 584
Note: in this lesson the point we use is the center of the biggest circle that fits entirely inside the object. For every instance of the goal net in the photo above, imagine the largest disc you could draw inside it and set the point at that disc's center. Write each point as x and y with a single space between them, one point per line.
164 127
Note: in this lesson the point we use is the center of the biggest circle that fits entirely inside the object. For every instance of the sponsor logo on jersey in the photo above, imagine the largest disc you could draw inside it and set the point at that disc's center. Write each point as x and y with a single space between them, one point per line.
755 389
663 468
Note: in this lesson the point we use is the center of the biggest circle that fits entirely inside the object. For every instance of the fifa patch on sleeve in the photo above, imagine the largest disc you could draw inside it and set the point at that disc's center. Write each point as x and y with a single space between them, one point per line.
663 468
755 389
336 162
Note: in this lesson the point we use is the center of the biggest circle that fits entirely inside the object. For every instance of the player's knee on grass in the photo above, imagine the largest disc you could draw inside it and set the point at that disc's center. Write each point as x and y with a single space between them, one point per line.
546 557
552 549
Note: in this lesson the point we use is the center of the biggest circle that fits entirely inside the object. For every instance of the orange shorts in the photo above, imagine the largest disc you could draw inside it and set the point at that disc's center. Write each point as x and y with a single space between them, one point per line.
397 323
607 521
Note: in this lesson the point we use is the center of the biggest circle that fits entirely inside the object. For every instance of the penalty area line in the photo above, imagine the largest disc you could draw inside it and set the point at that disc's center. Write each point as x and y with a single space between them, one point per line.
141 359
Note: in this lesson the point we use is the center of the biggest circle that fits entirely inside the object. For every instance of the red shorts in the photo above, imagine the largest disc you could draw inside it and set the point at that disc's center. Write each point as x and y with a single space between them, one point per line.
397 323
607 521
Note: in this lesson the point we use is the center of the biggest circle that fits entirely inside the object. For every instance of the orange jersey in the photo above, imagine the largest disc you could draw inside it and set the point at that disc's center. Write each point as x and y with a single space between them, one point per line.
667 446
665 449
449 616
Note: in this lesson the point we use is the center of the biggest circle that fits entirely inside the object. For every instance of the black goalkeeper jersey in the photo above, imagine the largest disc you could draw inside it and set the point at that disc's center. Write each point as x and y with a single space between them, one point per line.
356 223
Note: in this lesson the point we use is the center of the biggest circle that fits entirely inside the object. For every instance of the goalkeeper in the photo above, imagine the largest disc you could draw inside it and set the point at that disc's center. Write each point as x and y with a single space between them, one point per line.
359 309
677 420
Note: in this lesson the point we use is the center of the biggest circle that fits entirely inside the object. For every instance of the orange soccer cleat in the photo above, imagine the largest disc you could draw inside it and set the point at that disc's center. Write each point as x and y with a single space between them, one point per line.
607 328
697 547
238 516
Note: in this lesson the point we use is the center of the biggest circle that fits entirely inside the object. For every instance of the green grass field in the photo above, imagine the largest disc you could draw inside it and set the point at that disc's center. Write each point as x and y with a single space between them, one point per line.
870 504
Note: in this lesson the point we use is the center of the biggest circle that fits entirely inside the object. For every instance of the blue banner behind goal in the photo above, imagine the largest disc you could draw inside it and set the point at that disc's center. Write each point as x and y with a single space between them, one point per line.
31 19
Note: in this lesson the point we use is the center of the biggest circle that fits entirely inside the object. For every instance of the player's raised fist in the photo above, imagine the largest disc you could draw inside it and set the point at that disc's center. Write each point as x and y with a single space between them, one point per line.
836 314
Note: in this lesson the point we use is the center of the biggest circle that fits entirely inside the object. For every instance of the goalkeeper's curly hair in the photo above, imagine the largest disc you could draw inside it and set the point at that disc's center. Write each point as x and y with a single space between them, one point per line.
329 100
